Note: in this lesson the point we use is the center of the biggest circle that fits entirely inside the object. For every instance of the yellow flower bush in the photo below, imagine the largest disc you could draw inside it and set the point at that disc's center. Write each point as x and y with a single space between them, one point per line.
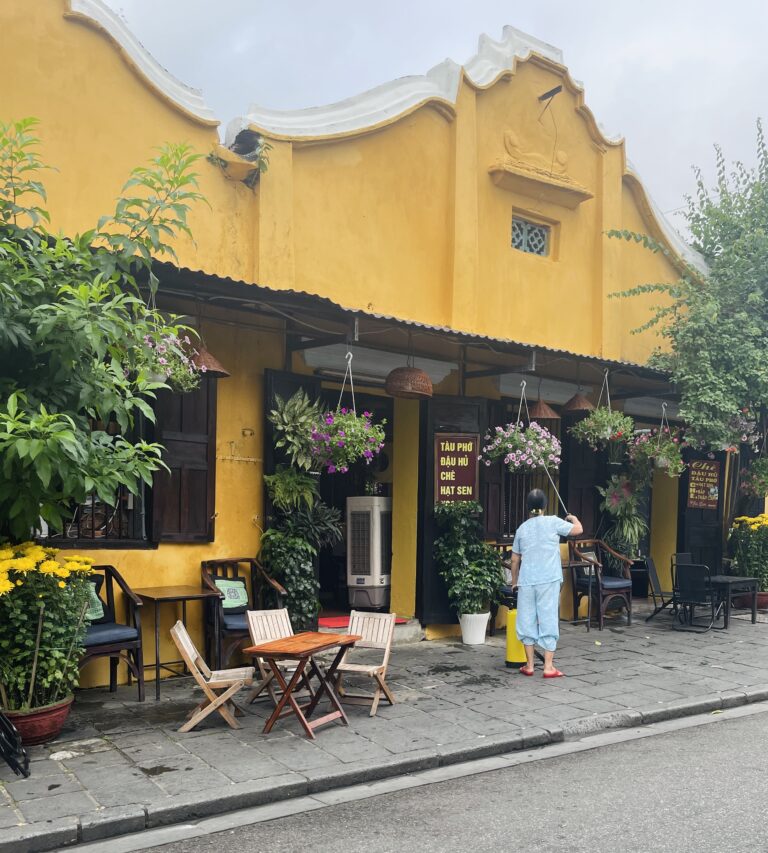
749 540
43 607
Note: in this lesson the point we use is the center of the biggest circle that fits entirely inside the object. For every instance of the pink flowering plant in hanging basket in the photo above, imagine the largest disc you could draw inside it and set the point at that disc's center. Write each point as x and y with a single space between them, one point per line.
660 448
343 437
522 448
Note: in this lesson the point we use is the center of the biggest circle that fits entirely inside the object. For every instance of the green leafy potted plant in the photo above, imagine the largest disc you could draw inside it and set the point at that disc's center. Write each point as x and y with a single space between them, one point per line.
43 605
293 420
623 505
749 545
470 567
522 448
605 429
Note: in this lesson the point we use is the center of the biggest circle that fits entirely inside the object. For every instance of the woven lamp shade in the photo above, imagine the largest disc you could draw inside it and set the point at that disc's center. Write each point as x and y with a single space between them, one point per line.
204 359
541 411
578 403
408 382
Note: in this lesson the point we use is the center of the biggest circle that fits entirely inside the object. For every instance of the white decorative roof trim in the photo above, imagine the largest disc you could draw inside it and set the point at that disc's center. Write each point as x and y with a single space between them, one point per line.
671 234
391 100
184 97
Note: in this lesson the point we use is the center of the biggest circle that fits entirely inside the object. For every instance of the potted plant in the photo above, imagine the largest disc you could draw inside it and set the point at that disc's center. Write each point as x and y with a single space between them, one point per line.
342 437
470 567
749 545
43 605
522 448
623 505
605 429
657 448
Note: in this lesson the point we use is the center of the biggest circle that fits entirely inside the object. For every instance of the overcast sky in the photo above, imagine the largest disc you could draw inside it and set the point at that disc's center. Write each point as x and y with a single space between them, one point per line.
672 76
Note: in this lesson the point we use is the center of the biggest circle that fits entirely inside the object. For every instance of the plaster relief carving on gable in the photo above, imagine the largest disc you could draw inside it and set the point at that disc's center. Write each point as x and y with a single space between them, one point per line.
535 168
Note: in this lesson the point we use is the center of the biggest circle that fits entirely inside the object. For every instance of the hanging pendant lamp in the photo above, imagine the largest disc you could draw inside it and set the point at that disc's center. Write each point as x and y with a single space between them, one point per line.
409 382
541 411
208 364
578 403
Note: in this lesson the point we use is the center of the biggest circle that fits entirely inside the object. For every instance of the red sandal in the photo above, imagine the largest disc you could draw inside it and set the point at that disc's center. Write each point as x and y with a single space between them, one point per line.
554 674
525 670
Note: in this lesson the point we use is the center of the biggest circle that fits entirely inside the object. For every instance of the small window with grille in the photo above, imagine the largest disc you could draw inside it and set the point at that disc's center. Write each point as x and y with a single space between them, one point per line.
530 237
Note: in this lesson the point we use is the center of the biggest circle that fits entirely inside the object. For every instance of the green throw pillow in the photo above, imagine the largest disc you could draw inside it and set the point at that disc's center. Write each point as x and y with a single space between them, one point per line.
235 595
95 609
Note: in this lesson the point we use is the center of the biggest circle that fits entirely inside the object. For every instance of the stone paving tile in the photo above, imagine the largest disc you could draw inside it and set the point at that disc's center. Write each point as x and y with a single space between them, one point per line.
182 774
116 786
41 786
237 760
56 806
9 817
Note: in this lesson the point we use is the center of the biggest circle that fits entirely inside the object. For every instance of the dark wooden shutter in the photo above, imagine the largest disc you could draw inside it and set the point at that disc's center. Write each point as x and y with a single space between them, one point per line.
183 501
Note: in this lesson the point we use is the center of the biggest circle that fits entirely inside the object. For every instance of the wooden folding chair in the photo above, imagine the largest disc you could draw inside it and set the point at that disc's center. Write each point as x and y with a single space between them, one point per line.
219 686
265 626
377 631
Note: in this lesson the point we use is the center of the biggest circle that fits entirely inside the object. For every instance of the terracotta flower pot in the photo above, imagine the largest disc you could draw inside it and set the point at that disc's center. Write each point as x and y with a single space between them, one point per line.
39 725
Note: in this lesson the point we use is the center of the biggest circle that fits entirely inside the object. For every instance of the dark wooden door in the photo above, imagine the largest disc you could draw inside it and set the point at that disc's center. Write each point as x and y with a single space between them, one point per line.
700 531
440 414
580 472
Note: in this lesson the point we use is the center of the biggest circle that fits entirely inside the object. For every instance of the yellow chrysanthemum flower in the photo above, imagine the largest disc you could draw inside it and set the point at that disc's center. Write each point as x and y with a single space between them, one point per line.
36 553
6 584
63 572
78 559
50 567
62 584
72 566
6 554
6 565
24 564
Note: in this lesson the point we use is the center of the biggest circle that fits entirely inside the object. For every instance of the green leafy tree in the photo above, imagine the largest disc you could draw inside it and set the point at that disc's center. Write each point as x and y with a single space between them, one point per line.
81 341
716 322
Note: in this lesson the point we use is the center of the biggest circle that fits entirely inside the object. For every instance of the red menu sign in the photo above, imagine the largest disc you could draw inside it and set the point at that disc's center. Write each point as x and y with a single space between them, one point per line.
456 471
703 484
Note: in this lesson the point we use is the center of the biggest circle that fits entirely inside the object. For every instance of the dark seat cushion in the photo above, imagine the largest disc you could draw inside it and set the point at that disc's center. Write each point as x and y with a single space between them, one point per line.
608 583
109 633
235 622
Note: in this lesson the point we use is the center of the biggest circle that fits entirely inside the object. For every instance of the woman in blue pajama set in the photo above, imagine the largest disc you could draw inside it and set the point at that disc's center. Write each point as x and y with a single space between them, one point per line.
537 572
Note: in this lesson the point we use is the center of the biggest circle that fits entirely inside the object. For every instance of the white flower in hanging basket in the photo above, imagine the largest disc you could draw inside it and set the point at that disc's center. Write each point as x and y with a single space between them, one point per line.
522 448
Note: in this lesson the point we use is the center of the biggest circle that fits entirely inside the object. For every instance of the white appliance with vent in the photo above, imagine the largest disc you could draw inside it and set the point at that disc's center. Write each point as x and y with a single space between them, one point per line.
369 551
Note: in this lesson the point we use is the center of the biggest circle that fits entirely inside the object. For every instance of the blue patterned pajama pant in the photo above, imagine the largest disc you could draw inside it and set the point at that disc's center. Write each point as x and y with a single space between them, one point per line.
538 615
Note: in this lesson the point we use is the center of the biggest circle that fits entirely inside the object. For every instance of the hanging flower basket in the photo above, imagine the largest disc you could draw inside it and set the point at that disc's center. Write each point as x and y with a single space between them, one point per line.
343 437
522 448
660 448
605 429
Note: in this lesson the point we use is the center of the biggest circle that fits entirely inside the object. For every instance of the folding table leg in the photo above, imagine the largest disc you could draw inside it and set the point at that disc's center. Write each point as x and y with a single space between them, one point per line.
287 696
326 682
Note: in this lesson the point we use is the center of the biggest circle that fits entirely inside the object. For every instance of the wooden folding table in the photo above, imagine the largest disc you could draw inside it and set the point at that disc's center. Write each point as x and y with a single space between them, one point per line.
301 648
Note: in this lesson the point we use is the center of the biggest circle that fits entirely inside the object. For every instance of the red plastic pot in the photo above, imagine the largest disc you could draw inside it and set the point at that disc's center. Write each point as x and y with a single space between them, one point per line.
39 725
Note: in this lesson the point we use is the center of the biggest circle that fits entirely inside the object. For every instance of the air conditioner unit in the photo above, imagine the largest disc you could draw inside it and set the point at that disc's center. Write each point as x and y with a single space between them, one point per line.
369 551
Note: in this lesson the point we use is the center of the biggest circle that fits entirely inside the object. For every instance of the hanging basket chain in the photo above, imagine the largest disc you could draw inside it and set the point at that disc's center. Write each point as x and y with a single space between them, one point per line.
604 387
524 401
348 372
663 422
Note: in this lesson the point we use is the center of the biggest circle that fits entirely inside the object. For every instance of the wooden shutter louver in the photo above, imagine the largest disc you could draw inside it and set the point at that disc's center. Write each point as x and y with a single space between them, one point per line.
183 502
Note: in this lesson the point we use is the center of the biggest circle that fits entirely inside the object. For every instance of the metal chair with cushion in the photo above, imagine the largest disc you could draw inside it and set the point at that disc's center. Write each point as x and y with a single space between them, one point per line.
242 584
694 589
105 636
588 558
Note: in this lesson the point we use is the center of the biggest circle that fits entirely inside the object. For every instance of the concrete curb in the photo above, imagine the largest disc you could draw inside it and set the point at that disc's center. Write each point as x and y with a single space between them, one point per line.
111 822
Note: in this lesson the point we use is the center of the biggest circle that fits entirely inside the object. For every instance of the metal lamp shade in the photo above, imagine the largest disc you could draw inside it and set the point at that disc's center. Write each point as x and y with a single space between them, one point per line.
578 403
541 411
410 383
208 364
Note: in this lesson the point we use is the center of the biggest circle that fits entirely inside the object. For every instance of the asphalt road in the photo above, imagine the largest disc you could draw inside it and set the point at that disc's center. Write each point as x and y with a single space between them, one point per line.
699 789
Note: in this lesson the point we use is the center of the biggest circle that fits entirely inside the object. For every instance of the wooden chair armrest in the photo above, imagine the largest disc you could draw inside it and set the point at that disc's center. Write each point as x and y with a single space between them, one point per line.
208 582
616 554
126 590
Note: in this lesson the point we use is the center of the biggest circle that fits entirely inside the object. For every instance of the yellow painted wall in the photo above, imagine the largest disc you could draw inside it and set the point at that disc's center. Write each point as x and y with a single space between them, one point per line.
98 120
664 525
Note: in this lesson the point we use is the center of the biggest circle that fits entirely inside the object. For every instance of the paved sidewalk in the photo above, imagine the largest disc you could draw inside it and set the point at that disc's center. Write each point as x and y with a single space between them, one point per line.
121 766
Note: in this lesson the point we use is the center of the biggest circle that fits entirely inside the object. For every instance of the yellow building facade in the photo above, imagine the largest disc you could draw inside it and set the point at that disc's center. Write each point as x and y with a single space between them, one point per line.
386 224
